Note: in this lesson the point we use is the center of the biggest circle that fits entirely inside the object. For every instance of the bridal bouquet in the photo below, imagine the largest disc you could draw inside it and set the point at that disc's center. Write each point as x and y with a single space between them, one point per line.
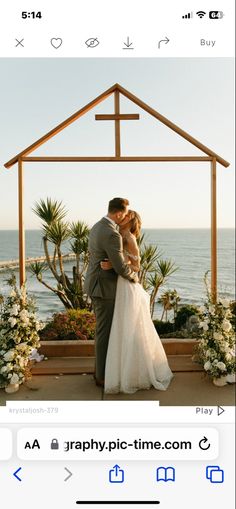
18 336
216 347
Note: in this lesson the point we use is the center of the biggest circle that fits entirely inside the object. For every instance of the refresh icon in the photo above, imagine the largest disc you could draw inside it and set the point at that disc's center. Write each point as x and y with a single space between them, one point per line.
204 444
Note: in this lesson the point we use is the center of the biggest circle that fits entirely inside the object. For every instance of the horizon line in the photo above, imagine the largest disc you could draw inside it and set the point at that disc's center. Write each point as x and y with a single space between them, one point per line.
143 228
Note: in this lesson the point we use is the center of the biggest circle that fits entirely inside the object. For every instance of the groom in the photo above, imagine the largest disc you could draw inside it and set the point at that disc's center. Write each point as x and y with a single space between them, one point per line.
105 242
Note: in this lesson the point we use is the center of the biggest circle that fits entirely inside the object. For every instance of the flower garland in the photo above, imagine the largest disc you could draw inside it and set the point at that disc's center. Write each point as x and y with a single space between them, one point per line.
216 347
18 335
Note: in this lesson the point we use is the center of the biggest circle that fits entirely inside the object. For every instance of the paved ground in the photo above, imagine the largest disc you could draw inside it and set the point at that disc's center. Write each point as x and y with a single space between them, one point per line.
187 388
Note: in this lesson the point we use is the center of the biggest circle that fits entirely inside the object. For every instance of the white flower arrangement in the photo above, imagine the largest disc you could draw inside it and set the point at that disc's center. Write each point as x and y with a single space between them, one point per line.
18 335
216 347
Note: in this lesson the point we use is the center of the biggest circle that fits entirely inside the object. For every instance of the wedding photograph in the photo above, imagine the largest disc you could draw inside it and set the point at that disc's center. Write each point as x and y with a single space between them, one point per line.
117 243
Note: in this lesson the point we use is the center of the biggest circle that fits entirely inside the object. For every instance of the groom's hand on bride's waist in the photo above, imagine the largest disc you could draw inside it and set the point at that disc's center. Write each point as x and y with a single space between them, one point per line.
106 264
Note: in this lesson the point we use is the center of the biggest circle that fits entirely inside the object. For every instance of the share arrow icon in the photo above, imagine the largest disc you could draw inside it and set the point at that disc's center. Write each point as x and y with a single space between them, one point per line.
165 41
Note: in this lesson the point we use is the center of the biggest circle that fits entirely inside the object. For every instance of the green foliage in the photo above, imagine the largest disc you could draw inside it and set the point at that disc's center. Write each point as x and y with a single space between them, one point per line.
56 231
163 327
37 268
49 211
233 307
70 325
183 313
154 271
170 300
233 313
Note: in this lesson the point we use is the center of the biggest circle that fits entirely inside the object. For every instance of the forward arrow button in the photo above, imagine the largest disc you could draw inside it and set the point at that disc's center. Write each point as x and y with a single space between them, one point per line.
69 474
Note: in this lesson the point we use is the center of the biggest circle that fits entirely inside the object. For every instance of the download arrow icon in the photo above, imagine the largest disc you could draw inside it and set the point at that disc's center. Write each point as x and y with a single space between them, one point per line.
128 44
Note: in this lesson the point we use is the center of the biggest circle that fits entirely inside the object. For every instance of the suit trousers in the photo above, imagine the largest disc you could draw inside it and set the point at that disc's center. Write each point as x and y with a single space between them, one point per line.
103 309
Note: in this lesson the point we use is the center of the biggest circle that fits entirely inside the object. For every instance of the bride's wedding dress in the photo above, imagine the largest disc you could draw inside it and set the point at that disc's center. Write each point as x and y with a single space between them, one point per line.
135 358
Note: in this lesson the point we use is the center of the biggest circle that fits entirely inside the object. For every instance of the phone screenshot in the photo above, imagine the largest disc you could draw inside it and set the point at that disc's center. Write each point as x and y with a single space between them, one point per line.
117 249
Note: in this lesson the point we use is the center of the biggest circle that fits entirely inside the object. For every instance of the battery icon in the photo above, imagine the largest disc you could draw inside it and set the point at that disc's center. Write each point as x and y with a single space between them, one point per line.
216 14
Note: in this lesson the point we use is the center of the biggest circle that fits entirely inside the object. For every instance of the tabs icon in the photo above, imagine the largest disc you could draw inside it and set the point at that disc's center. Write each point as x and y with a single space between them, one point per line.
215 474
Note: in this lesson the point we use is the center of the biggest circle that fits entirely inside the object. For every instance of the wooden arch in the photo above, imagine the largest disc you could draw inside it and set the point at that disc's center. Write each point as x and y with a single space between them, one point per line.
117 117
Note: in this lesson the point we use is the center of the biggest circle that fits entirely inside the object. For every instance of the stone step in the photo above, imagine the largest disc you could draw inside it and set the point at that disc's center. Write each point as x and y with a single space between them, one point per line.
80 365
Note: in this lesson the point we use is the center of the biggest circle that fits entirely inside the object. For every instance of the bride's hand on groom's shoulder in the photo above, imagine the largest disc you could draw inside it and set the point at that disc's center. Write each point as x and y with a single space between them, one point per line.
106 265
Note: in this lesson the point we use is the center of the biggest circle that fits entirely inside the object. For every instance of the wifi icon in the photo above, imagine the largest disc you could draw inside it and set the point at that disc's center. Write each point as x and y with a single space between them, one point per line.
201 14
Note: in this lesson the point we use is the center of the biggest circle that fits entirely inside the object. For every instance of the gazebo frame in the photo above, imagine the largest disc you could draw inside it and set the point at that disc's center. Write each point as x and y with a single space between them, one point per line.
117 89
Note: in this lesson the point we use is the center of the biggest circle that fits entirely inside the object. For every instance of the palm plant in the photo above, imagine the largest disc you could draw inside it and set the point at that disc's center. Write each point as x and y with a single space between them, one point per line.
148 258
154 271
56 232
169 300
1 302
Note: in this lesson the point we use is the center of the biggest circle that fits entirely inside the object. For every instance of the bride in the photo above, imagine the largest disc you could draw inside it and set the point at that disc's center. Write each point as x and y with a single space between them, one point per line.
135 358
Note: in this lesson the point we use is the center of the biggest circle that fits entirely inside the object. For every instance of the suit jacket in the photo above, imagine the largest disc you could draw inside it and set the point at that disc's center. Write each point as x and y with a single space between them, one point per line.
105 242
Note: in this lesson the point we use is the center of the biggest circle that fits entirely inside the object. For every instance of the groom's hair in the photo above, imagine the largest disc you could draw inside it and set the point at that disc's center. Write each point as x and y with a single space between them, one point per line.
117 205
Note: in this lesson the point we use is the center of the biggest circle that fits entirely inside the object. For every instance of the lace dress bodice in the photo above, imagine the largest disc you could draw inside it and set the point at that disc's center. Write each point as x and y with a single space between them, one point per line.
132 256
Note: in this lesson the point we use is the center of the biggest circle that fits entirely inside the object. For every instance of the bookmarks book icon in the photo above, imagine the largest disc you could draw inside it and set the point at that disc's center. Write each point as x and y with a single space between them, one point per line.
165 474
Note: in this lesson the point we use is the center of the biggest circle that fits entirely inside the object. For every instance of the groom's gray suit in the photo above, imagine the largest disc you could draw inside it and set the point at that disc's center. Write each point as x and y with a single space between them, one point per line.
104 242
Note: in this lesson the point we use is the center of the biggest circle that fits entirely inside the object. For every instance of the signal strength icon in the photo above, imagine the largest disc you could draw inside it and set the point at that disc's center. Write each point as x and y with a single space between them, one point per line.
201 14
188 16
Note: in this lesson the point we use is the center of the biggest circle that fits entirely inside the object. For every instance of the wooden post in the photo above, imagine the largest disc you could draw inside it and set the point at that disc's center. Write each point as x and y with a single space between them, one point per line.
117 123
213 232
21 223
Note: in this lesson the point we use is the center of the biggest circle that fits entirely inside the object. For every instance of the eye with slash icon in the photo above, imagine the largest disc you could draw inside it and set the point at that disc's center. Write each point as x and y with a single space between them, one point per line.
92 42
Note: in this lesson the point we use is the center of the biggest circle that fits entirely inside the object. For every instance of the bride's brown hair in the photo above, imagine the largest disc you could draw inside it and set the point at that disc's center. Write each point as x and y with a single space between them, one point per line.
135 223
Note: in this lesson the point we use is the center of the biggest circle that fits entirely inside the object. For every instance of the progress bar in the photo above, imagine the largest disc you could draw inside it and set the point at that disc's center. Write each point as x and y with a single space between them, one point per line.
118 502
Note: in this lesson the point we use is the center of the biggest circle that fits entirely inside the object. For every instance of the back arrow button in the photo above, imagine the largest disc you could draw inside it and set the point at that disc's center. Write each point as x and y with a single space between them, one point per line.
16 476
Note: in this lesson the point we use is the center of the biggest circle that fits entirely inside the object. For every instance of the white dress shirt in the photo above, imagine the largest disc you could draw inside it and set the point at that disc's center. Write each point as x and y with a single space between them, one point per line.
113 222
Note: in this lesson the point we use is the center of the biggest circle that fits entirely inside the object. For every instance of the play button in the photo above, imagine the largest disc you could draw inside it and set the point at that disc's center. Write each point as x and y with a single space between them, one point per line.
220 410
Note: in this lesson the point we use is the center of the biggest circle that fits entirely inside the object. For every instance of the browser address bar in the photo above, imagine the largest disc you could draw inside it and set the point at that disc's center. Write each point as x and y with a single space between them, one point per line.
117 443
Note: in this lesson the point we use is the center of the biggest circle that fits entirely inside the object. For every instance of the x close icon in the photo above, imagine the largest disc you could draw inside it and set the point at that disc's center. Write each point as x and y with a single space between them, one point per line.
19 43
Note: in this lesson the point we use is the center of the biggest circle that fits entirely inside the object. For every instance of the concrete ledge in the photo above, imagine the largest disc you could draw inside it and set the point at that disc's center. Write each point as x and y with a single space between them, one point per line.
73 348
176 346
81 365
78 348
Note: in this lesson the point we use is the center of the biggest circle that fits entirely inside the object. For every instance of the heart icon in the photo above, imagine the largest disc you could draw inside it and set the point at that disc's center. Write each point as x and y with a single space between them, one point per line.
56 42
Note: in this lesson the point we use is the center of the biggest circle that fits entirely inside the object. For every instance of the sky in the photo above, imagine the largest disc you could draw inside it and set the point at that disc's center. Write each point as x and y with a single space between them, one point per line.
196 94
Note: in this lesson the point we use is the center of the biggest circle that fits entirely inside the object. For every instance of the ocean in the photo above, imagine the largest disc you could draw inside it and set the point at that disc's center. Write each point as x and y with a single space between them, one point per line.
188 248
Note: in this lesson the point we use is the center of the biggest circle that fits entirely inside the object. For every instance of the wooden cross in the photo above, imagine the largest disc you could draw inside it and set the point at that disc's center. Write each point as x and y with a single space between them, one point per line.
117 117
